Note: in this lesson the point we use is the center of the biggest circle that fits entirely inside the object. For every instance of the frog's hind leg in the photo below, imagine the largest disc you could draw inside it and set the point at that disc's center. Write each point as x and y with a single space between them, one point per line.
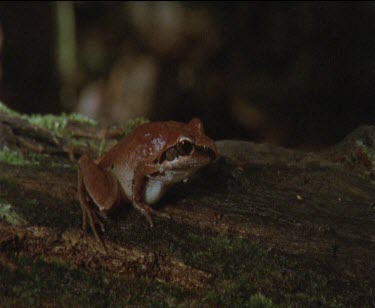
96 187
88 213
83 201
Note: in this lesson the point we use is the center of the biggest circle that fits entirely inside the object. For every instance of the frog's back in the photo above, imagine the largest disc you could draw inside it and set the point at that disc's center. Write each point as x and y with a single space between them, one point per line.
147 141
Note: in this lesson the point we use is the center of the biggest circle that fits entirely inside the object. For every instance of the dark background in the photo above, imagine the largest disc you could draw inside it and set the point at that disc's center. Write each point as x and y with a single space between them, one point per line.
299 74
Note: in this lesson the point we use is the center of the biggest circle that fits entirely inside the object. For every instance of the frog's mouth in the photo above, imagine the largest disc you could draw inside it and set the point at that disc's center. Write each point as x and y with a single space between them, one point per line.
178 164
199 155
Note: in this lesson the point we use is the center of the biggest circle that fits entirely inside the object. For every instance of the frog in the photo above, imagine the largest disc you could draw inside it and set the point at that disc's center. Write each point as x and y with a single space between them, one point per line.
141 168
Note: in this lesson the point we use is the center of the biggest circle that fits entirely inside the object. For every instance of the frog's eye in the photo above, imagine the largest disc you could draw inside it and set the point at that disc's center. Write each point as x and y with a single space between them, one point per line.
171 154
185 146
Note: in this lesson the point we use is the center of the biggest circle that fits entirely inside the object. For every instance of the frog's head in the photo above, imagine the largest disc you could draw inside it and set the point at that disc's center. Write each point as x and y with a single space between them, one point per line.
188 150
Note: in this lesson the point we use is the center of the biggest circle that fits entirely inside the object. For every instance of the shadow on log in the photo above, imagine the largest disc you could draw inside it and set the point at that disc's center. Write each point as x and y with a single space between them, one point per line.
263 226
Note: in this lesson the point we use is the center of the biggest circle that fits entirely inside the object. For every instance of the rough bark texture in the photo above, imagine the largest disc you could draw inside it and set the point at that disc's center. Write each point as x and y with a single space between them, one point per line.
264 225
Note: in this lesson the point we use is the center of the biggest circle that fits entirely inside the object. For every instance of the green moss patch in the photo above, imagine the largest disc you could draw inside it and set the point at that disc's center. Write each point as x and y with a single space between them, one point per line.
133 123
53 123
15 158
6 110
10 215
58 125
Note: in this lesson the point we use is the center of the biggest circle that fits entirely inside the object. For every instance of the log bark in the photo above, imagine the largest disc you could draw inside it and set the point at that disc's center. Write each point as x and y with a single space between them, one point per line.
264 225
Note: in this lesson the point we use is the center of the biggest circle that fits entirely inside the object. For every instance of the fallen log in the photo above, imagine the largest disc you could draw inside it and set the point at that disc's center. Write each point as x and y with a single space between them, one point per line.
264 225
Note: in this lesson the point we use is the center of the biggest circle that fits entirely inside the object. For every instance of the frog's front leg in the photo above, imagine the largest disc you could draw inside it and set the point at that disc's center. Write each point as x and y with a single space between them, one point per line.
96 187
138 191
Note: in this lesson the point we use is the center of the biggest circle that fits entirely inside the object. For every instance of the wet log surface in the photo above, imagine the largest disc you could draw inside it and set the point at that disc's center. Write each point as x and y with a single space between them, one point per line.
264 225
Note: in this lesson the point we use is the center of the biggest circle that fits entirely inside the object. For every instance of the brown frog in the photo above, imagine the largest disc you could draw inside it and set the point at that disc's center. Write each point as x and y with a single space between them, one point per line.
142 167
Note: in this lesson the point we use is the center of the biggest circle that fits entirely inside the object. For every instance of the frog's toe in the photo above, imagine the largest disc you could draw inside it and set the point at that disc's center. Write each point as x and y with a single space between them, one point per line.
97 218
160 214
149 218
